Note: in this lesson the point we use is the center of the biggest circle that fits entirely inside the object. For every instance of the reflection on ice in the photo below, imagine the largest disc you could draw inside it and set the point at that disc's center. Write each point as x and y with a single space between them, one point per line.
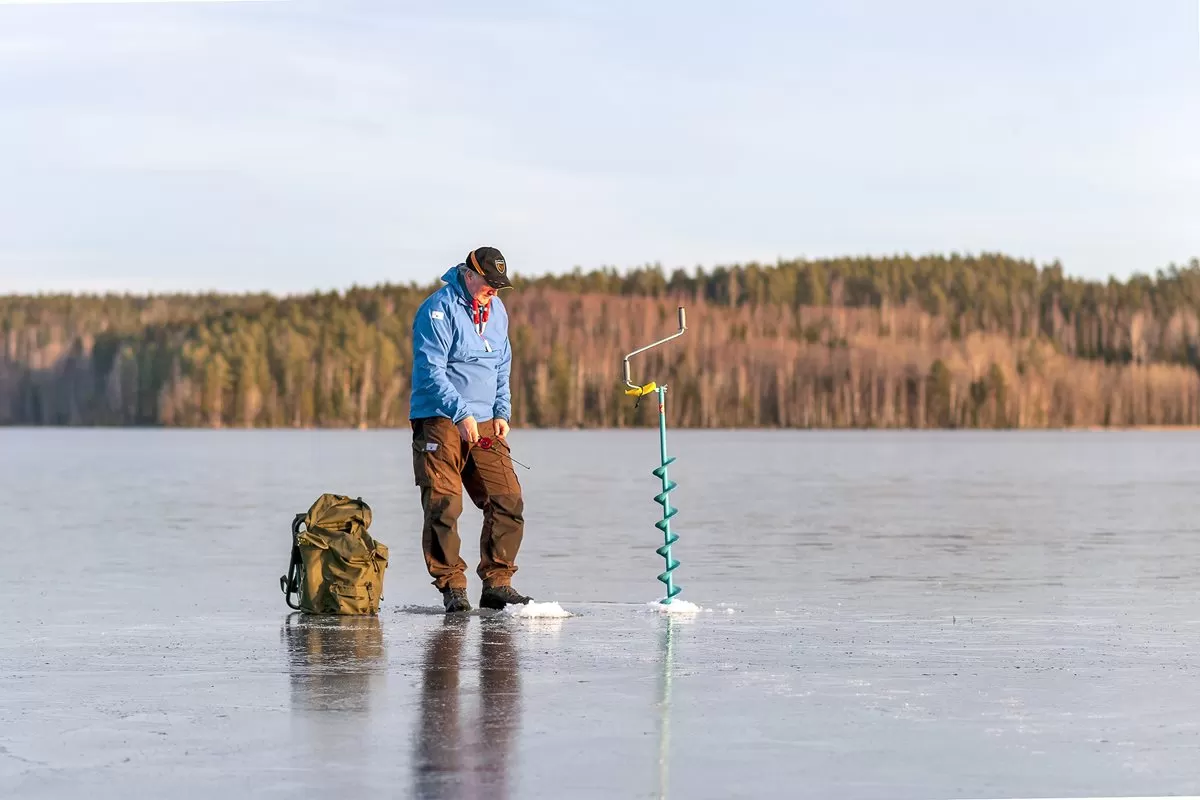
458 754
333 661
664 730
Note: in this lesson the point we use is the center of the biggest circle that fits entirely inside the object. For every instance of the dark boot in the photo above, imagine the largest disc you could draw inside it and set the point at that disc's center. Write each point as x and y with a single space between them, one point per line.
500 596
455 600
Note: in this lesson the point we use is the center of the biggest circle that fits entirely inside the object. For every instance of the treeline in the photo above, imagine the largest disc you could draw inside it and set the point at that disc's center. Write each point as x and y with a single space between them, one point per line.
1145 319
931 342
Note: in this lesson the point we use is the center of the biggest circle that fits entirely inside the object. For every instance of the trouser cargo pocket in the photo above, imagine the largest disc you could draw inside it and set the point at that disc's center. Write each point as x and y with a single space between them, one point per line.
438 455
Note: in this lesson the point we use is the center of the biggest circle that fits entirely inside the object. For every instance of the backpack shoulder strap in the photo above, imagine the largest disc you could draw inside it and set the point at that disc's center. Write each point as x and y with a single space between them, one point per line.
290 583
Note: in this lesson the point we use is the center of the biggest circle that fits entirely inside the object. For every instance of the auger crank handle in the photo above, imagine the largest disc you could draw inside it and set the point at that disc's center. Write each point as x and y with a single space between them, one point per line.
634 389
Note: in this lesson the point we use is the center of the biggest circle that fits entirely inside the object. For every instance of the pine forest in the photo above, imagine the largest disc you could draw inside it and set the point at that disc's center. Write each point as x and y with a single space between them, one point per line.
953 341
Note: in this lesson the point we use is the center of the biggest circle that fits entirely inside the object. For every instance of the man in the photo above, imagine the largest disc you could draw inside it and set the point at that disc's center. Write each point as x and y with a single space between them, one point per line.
460 394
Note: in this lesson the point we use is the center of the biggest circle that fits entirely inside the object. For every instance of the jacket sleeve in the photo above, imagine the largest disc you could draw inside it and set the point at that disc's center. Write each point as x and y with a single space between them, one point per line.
431 348
503 406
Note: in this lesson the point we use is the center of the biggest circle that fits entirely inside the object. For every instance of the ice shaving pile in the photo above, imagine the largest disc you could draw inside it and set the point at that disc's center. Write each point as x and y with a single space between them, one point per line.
678 607
532 609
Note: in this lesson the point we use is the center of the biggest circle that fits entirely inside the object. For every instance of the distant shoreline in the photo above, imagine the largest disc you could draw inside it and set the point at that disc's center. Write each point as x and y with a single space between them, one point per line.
647 426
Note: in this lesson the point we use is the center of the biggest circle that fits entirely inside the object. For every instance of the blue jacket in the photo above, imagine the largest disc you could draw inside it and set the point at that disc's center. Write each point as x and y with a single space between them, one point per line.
454 374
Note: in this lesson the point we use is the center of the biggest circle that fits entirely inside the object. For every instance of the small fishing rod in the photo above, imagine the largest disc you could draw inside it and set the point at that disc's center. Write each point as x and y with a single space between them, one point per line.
486 443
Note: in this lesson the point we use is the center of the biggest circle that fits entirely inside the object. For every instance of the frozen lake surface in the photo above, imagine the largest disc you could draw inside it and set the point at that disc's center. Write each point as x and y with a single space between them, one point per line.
886 615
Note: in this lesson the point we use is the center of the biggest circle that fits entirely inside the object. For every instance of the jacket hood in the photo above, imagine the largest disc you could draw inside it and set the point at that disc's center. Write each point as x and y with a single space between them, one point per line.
452 277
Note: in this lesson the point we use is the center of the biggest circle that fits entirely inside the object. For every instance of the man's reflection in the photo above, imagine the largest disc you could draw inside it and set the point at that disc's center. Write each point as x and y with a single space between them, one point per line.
500 684
457 757
437 762
333 660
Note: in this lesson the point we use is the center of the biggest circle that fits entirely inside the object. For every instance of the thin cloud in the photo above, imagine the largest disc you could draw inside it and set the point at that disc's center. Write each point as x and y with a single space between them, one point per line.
121 2
265 146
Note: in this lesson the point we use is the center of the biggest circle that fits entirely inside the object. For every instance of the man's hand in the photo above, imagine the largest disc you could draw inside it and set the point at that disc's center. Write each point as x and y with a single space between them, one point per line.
468 429
502 428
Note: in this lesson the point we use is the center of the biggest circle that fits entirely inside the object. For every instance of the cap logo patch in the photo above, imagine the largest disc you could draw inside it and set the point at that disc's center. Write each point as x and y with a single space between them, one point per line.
500 266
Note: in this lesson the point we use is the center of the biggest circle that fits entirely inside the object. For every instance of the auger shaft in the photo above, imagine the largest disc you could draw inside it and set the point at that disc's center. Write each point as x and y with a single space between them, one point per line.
664 500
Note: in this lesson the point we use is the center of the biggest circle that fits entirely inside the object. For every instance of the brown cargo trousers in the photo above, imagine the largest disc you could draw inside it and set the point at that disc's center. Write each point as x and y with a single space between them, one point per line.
443 464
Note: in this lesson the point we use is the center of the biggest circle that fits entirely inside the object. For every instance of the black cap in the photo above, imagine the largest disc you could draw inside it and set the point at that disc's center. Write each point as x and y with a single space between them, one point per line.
489 262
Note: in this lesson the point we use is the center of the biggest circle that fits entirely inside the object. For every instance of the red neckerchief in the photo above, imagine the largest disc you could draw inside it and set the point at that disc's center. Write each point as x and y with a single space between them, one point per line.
480 315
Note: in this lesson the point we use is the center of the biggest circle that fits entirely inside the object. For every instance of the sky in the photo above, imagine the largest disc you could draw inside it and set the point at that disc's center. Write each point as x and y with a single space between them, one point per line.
299 145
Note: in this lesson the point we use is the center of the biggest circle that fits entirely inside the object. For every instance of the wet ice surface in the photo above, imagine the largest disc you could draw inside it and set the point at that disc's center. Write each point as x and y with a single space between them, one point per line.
884 615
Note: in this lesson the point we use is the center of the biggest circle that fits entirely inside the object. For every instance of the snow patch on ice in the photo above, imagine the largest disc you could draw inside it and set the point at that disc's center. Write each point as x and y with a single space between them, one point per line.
677 607
538 610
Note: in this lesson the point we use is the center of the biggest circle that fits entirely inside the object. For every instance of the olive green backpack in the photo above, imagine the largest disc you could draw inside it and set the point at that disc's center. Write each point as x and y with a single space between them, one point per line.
336 566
